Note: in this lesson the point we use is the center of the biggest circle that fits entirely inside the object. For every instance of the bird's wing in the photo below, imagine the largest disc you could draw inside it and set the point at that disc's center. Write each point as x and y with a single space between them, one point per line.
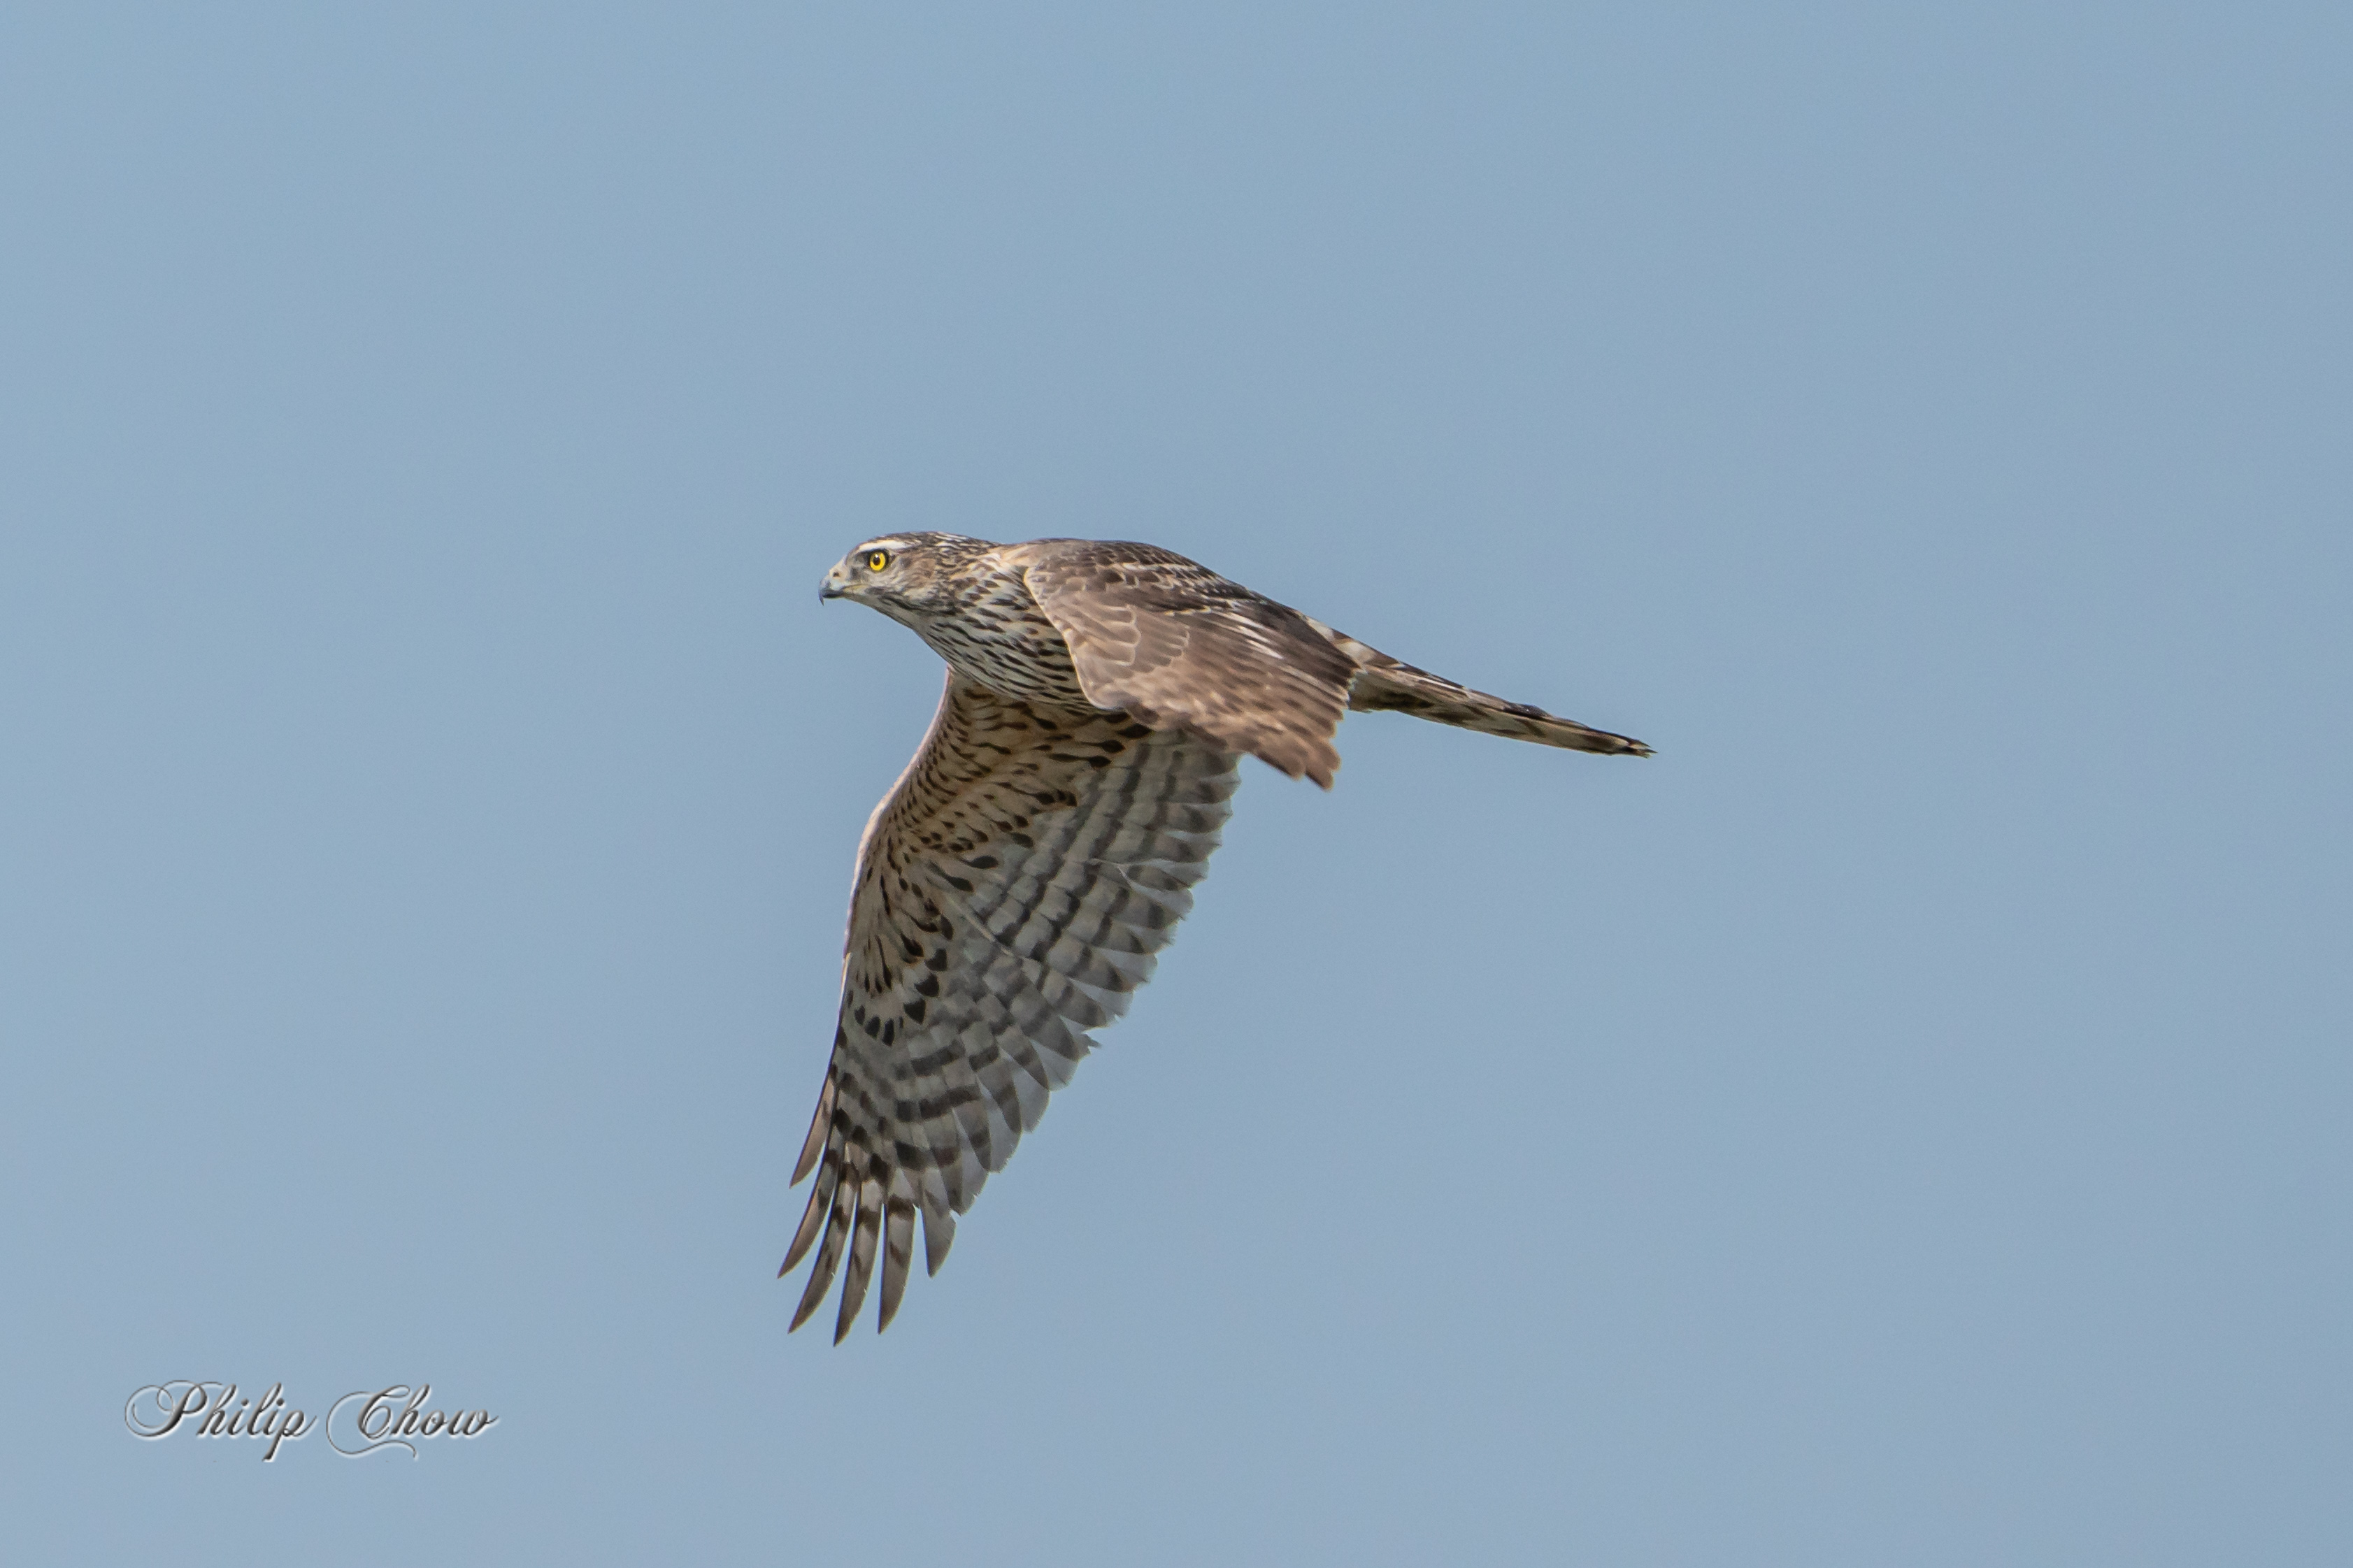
1171 642
1011 892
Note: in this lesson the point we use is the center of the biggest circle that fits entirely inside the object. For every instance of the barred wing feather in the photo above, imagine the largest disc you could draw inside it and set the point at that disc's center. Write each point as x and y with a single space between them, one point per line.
1012 891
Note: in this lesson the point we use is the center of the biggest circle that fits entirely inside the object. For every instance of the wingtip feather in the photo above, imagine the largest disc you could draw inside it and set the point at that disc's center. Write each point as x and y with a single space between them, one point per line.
818 1125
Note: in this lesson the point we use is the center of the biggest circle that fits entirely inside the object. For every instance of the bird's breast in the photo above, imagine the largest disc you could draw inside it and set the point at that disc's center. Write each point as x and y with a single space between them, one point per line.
1008 648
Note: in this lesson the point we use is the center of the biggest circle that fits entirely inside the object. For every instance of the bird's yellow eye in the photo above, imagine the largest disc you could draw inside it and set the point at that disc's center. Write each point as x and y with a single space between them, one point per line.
876 559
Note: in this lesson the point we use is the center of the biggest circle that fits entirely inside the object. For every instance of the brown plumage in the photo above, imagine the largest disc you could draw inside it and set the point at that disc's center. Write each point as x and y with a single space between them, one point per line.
1015 885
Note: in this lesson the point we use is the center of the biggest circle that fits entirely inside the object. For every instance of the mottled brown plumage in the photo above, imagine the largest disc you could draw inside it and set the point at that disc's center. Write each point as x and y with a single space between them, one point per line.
1015 885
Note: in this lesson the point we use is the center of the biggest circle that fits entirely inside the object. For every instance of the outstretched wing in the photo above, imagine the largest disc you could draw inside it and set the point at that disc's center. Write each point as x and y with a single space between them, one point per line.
1180 647
1012 890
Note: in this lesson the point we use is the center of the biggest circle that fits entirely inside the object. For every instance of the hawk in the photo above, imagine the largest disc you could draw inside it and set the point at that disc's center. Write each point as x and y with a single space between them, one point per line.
1013 887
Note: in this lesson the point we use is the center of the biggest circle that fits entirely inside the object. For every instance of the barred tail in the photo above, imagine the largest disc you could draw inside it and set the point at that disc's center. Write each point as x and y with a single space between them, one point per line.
1383 682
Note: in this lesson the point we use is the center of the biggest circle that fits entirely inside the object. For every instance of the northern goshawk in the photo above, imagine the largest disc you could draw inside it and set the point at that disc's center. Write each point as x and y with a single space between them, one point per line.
1014 885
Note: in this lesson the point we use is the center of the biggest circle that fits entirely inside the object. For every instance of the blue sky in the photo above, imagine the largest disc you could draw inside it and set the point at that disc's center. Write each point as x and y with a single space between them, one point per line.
1902 1122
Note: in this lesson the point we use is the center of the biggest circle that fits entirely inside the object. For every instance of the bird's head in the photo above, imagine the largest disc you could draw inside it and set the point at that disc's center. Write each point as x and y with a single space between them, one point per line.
904 575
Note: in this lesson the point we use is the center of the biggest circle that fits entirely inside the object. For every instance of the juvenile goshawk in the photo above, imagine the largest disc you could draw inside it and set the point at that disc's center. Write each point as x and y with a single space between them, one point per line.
1013 888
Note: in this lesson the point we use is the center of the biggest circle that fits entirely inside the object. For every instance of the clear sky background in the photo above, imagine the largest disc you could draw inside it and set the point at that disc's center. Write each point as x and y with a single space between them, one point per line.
1905 1121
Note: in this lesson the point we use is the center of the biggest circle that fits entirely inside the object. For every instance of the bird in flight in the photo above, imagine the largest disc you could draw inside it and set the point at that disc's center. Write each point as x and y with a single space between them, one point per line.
1013 887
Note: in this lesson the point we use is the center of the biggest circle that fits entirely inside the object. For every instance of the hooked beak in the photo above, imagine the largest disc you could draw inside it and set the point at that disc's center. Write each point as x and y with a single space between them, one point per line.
835 586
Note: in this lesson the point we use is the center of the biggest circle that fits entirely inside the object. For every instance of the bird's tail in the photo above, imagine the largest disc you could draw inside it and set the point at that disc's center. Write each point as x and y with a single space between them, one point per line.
1383 682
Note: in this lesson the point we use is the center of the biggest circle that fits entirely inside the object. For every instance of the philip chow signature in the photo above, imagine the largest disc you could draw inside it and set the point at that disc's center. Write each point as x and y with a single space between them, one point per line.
358 1424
